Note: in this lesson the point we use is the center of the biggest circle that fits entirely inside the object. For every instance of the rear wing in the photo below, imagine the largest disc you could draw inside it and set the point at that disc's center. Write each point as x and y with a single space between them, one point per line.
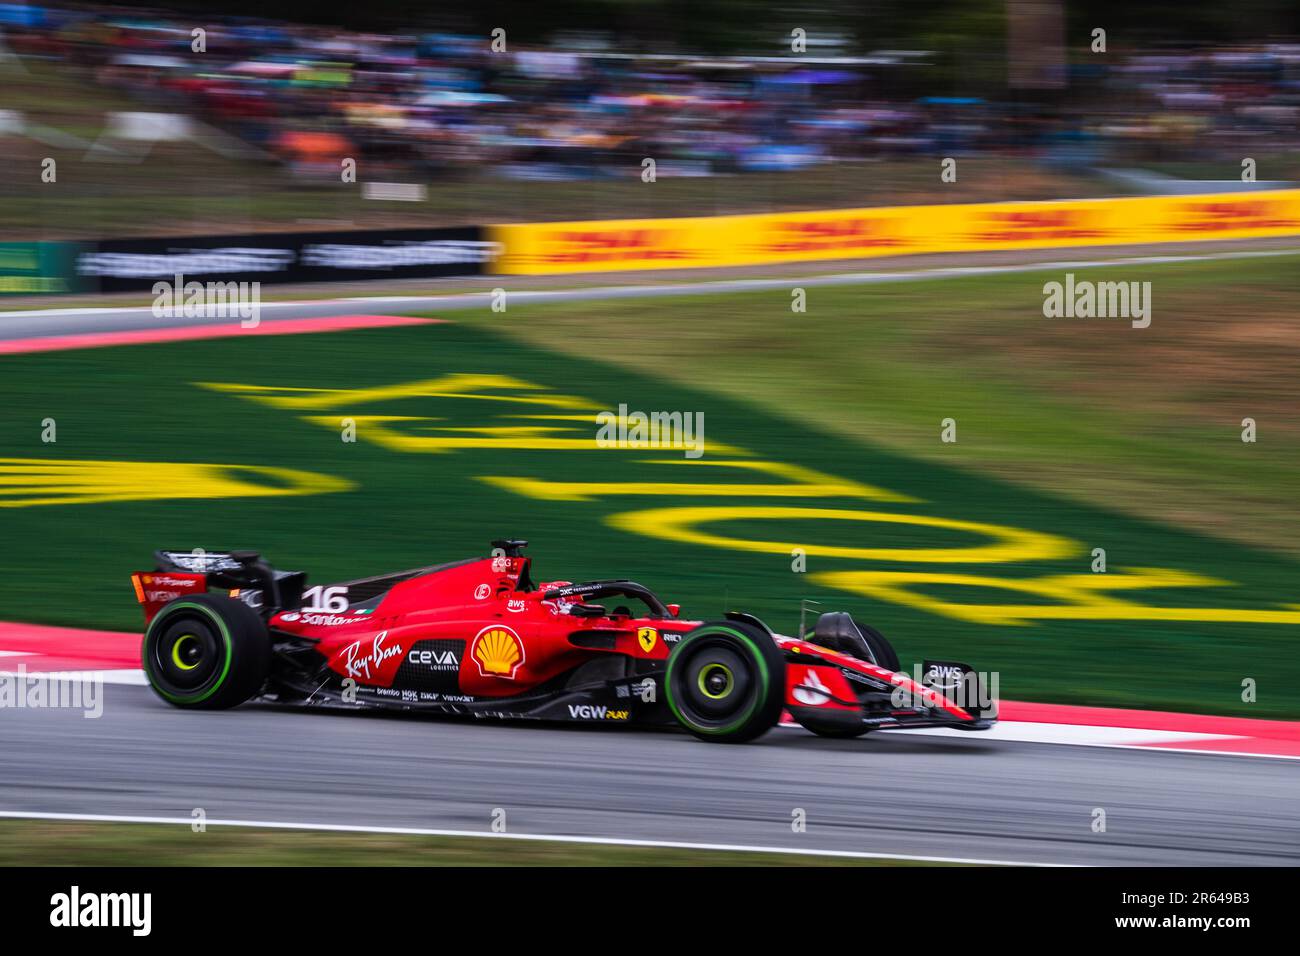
240 574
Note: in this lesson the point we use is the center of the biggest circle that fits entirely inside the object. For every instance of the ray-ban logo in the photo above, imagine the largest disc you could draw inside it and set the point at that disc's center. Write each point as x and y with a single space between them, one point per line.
76 909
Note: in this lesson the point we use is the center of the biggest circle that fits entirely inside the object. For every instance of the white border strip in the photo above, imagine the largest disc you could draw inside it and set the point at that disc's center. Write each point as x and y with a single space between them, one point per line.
1068 735
533 837
480 299
132 677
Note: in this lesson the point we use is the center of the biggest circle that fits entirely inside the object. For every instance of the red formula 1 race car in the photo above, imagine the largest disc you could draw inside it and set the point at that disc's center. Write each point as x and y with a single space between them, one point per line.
479 637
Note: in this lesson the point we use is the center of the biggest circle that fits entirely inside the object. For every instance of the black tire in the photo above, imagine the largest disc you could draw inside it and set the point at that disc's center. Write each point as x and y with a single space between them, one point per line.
836 733
206 651
725 682
881 649
870 646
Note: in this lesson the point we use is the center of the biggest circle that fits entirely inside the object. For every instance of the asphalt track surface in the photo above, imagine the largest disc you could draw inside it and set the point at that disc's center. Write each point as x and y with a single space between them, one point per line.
72 320
965 797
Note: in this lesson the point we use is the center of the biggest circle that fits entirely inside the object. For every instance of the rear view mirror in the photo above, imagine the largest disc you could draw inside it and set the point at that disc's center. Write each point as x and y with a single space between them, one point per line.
673 609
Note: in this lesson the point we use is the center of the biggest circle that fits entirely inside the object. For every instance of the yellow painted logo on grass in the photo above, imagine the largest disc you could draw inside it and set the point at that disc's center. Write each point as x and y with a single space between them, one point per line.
26 482
788 495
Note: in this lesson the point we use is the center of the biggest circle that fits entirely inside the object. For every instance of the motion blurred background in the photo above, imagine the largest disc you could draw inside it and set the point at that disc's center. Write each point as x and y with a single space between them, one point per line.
1113 437
207 137
246 135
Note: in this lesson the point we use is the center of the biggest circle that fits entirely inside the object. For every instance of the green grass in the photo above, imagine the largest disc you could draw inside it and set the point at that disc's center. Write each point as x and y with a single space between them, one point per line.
855 389
1142 421
68 843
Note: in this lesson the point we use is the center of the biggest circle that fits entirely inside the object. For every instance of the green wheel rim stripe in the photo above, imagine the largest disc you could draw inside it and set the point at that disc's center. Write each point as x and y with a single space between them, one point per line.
763 676
225 667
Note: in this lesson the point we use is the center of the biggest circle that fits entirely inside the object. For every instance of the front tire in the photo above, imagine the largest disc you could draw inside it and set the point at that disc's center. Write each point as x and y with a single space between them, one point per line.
881 649
850 636
206 651
836 732
726 682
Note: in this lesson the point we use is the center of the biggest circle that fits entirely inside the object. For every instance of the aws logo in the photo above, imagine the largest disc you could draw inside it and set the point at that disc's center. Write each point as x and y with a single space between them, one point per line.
498 652
945 675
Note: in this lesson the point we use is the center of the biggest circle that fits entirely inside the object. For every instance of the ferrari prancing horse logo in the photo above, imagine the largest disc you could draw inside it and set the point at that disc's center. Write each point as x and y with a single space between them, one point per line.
647 636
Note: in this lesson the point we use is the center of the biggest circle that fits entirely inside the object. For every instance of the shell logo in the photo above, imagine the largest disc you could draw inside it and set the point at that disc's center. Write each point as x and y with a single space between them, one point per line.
498 651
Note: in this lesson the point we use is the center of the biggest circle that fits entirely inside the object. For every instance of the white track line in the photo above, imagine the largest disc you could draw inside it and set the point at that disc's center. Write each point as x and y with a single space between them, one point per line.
846 278
533 837
134 678
1012 731
466 300
1023 731
1117 738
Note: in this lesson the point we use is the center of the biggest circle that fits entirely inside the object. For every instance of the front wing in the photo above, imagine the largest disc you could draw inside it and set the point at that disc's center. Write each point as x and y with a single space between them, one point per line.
832 690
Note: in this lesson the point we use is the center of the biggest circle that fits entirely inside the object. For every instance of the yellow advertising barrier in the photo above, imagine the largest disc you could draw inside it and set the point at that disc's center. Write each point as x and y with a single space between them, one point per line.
622 244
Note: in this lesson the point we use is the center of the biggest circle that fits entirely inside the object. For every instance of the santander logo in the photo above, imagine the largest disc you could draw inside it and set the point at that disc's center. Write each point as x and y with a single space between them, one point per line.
811 691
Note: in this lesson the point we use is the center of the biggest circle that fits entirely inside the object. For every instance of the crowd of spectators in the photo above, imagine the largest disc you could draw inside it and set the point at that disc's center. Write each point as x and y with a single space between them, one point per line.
442 104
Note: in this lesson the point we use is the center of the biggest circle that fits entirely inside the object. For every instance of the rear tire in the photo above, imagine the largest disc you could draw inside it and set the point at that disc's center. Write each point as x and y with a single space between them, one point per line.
206 651
725 682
